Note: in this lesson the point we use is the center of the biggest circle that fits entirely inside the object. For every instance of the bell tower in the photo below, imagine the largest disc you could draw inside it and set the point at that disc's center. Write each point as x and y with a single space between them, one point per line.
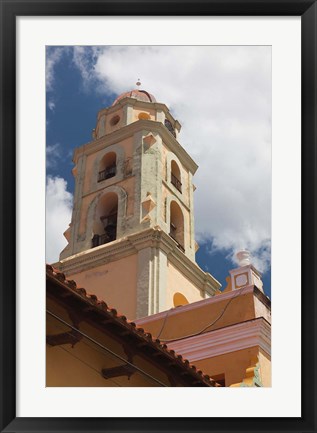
131 237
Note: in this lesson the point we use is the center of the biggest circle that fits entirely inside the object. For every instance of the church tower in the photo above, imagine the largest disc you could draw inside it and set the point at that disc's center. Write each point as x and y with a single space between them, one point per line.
131 237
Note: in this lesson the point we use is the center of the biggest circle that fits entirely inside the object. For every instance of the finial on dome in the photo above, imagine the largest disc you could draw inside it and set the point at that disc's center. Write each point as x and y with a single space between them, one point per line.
138 83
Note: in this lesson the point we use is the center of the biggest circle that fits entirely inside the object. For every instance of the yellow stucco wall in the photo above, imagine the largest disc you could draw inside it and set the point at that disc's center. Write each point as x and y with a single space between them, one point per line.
137 111
177 282
88 169
126 144
127 184
193 320
109 127
183 170
232 365
84 210
81 365
265 368
114 282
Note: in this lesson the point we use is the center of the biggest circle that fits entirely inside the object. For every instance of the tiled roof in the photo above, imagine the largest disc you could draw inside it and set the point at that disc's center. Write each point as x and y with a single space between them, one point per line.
59 278
140 95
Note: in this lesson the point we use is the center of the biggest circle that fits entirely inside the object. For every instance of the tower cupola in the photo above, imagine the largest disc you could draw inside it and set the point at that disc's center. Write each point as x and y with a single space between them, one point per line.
139 95
131 237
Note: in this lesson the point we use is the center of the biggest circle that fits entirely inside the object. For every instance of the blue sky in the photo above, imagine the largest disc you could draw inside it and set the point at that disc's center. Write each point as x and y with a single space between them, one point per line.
222 97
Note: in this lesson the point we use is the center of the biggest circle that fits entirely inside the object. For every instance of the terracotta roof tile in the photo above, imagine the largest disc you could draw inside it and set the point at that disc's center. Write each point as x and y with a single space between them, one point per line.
147 336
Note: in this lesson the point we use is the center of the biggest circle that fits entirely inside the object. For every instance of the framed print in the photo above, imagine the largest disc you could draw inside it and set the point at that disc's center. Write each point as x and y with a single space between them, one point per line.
108 111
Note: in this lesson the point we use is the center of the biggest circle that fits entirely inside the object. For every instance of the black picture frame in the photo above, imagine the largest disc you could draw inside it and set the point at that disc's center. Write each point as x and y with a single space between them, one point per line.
10 9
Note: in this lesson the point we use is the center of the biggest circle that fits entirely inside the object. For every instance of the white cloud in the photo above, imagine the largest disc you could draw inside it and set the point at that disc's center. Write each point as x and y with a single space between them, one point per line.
51 105
222 96
53 57
58 216
53 154
83 59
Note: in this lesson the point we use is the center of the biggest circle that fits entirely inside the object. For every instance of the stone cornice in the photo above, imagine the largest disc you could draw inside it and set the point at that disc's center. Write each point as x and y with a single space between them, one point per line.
102 185
152 237
139 104
132 128
256 332
155 237
191 270
96 256
262 297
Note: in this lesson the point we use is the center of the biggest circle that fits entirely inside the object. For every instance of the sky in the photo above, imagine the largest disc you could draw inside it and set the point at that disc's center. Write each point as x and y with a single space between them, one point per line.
222 97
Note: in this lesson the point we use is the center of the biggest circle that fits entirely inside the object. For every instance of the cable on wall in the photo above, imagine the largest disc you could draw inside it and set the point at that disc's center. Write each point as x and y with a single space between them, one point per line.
105 348
206 327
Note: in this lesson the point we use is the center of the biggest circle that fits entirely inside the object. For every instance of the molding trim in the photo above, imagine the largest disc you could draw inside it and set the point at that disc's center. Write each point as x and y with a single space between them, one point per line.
128 130
140 104
131 244
95 256
189 268
241 336
252 378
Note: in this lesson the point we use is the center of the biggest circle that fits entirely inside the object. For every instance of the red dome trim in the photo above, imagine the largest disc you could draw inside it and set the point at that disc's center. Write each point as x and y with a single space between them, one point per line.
140 95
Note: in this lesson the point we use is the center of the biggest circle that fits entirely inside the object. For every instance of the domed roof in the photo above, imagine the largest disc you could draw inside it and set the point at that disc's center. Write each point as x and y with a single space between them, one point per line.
140 95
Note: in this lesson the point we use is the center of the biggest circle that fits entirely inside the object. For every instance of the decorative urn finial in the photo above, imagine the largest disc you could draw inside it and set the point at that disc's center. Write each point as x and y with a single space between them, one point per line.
244 258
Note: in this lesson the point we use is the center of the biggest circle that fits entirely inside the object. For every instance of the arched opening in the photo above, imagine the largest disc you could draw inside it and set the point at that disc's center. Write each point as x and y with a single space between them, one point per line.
105 223
170 127
179 299
177 225
176 176
108 166
115 120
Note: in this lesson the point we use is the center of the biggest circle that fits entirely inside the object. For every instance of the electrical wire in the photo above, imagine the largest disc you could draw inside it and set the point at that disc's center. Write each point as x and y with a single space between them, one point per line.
86 363
96 349
83 341
62 327
206 327
106 349
164 322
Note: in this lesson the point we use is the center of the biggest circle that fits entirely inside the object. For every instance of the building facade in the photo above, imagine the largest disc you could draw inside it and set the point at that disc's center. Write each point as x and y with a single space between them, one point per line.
90 344
131 244
131 238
